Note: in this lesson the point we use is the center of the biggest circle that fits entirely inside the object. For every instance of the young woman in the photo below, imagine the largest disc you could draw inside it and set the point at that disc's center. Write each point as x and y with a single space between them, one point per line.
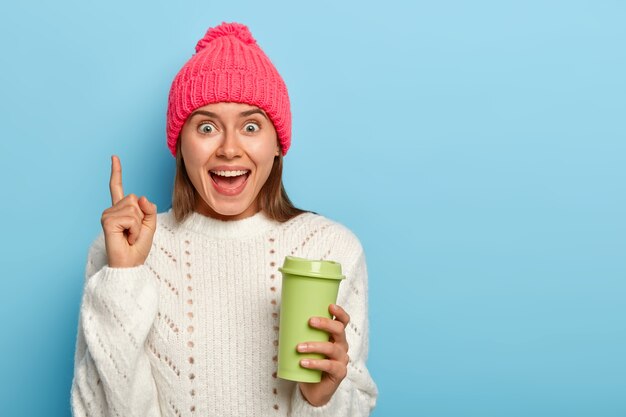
179 315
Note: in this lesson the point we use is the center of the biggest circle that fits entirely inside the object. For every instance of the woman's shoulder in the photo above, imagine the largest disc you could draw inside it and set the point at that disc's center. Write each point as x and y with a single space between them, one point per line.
314 221
317 228
168 227
166 222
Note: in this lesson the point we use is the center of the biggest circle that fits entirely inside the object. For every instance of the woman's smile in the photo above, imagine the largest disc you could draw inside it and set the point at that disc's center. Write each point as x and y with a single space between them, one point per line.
229 181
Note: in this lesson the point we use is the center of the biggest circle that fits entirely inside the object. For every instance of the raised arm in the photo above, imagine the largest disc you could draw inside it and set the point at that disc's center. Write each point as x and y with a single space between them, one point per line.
112 372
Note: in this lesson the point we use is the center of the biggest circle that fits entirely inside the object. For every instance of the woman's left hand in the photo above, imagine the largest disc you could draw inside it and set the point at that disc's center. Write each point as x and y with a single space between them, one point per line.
336 350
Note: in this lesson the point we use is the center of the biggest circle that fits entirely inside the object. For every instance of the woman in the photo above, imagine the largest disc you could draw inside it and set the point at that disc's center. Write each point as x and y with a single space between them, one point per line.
179 315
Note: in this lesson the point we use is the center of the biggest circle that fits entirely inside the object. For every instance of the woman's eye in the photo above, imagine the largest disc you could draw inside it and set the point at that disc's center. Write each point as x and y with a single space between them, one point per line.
206 128
251 127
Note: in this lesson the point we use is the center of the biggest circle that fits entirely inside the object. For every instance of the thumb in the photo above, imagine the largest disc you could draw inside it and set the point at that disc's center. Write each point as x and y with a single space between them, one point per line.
150 212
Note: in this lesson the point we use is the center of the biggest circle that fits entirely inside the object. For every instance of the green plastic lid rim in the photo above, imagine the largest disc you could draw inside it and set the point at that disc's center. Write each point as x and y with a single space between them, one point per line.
316 268
310 274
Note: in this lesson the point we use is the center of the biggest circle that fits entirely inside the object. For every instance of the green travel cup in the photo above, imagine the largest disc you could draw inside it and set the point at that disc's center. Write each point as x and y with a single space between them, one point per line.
309 288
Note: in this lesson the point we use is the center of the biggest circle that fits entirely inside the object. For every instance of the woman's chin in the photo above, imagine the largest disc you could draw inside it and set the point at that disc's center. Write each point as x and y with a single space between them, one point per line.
228 211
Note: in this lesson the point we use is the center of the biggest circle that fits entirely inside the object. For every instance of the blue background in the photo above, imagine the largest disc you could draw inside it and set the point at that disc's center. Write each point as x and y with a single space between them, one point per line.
478 149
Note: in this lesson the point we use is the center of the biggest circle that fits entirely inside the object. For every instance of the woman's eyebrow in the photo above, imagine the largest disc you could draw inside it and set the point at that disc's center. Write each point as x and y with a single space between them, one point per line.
251 112
216 116
204 112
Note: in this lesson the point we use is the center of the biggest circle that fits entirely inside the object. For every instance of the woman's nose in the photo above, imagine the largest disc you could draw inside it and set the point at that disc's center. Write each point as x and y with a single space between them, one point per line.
229 147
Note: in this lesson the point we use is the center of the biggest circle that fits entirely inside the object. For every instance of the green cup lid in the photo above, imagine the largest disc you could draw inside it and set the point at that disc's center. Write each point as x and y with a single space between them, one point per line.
311 268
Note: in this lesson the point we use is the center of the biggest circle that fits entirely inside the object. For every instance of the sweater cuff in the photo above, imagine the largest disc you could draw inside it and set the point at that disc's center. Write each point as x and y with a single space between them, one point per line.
337 406
127 289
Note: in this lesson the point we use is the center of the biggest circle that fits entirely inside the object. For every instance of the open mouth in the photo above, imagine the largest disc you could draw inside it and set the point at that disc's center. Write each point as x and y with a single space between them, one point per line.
229 182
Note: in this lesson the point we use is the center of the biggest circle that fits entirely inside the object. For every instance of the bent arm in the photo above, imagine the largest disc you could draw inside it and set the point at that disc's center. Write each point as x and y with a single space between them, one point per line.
112 372
357 393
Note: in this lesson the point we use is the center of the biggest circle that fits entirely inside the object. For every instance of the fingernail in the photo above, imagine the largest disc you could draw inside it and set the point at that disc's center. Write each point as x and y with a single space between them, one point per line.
302 347
315 321
304 362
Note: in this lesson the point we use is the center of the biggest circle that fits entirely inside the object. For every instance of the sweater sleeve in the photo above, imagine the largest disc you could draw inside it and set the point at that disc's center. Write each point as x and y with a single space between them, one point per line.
357 393
112 373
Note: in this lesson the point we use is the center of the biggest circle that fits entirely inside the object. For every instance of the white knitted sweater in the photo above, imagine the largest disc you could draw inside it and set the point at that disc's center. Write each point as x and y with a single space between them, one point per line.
194 331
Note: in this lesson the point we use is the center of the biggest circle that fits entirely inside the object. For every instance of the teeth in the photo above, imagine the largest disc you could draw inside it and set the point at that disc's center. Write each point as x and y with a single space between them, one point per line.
229 173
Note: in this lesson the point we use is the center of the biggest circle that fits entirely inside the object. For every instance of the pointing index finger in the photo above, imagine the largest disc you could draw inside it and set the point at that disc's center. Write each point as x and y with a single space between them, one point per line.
115 184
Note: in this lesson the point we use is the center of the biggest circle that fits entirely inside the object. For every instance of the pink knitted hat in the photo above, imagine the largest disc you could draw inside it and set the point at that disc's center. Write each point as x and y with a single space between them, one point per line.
228 66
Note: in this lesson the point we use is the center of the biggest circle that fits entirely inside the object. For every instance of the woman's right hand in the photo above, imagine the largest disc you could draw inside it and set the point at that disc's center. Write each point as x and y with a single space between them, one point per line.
129 224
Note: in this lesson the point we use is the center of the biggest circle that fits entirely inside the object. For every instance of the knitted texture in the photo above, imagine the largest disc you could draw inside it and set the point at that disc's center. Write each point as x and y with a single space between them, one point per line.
194 331
228 66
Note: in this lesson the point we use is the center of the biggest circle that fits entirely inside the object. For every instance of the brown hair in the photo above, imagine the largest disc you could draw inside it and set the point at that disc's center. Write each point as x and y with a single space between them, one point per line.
273 199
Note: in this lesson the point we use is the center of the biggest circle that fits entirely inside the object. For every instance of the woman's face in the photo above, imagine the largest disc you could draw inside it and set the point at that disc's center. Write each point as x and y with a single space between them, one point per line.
228 150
